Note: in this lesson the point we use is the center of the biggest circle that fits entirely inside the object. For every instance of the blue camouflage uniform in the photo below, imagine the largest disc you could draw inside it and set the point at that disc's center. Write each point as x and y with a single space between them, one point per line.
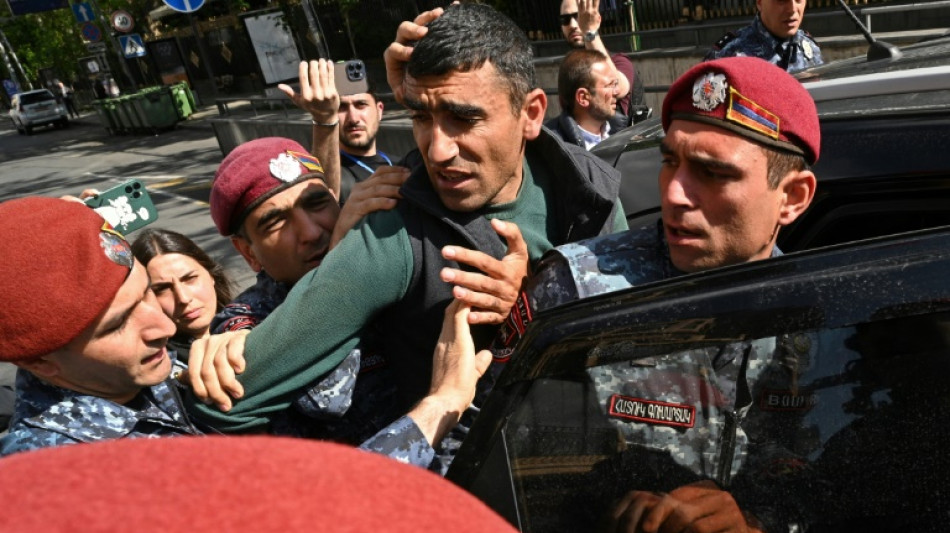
702 409
793 54
252 306
47 415
340 407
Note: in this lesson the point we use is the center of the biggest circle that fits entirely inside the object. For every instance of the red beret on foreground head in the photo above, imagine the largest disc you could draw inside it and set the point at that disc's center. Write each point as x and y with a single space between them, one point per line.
751 97
238 484
252 173
62 266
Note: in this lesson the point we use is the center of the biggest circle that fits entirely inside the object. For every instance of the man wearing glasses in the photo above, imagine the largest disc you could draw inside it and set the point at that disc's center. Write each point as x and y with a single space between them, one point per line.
587 90
580 24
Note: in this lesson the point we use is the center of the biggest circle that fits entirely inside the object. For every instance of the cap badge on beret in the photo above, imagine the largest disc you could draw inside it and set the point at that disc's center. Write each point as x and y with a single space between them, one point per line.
709 91
286 166
115 246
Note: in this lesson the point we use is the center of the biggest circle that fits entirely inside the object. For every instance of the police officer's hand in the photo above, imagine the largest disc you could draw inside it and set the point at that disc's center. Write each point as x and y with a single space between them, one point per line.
493 292
379 192
455 372
397 53
696 508
588 15
317 94
213 363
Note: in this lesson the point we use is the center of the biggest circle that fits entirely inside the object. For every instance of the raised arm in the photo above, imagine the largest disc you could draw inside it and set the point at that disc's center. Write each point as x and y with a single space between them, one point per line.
318 97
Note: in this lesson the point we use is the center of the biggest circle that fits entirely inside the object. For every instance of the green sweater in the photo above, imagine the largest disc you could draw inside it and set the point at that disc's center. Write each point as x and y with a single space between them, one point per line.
322 318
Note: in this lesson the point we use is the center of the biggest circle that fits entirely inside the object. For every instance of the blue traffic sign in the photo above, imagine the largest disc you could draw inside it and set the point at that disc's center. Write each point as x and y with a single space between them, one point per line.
184 6
83 12
91 32
132 45
10 87
24 7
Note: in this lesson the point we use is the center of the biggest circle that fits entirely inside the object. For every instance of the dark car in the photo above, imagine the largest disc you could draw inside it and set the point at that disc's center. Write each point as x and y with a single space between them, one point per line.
840 429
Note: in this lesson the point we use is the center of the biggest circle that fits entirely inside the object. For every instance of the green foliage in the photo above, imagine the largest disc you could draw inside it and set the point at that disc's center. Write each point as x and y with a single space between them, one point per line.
49 39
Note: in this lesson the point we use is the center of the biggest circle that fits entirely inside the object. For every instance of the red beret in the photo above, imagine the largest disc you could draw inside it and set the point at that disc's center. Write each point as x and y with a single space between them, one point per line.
62 266
751 97
252 173
238 484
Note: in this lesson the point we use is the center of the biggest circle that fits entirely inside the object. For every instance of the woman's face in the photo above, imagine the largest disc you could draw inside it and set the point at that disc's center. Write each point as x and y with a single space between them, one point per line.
185 290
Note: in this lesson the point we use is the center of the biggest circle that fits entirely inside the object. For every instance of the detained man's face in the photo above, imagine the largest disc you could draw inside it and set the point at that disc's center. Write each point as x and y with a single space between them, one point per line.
471 139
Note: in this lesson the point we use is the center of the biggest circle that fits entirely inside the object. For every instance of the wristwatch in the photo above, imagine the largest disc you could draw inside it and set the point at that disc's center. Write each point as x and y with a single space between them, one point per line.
590 36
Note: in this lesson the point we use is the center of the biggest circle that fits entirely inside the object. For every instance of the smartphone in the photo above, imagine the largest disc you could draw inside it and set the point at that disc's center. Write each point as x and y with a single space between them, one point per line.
127 206
350 77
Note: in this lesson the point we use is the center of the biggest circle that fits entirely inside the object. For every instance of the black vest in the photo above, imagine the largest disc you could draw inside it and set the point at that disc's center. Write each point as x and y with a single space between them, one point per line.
586 191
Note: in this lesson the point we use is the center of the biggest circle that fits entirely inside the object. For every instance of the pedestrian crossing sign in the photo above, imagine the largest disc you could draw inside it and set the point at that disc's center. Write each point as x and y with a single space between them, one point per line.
132 45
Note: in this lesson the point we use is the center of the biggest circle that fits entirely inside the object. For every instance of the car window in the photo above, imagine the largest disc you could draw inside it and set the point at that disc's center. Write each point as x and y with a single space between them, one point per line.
836 429
34 98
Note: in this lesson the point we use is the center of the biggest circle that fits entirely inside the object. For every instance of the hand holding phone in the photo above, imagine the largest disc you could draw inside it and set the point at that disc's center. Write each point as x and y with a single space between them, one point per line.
350 77
127 206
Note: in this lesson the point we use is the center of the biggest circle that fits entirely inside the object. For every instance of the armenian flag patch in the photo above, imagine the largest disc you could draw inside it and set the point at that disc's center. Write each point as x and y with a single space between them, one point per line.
745 112
307 160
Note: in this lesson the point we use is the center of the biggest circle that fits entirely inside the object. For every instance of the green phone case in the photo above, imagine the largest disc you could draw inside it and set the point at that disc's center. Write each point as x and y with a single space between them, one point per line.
127 207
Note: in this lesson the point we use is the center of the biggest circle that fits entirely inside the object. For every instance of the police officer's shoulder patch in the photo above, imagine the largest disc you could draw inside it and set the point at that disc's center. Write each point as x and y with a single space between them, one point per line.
652 412
724 40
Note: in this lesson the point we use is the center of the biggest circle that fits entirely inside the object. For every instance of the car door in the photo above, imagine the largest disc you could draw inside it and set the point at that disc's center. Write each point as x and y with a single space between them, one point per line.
810 386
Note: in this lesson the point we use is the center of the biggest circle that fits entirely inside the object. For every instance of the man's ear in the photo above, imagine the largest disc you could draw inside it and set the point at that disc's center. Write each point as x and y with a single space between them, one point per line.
798 190
44 367
535 105
243 246
379 108
582 98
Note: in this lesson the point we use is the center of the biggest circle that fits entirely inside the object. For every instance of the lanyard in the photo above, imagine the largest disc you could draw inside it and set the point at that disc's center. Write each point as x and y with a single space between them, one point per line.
364 165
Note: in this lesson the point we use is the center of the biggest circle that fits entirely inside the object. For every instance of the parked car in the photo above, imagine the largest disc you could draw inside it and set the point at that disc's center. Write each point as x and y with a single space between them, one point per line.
36 108
852 438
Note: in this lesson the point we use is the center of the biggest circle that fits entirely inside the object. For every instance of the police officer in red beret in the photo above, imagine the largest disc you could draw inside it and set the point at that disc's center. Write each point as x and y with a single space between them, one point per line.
84 329
740 136
81 323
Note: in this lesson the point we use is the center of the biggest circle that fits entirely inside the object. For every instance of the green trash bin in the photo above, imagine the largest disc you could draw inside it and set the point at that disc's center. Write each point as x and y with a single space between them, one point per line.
121 114
182 98
156 107
127 103
110 109
105 116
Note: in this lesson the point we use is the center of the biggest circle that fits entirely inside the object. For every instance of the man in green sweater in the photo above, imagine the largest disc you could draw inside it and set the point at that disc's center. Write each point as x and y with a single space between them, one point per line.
487 169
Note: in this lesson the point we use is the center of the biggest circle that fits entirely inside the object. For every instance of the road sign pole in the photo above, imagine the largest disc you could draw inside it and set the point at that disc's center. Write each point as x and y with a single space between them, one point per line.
114 42
15 64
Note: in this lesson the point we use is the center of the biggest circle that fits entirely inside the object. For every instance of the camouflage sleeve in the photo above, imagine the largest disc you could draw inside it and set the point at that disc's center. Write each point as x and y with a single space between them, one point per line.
552 284
333 395
403 441
23 439
234 317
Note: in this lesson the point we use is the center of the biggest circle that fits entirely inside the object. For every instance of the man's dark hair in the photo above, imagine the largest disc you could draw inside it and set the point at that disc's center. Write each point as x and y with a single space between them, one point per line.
468 35
574 74
781 163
